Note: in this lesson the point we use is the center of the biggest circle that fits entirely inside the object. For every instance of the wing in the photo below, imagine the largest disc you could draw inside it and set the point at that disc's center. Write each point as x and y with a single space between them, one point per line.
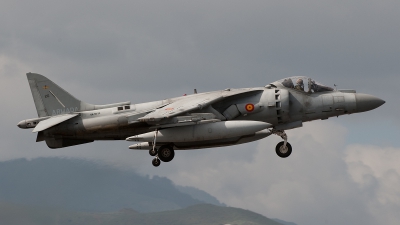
52 121
192 102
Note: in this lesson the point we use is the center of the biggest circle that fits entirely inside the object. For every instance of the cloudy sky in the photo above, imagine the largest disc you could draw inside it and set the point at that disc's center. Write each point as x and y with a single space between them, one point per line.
343 170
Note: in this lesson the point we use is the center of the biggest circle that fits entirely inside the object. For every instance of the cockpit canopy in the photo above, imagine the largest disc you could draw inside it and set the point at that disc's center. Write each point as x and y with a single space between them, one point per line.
302 83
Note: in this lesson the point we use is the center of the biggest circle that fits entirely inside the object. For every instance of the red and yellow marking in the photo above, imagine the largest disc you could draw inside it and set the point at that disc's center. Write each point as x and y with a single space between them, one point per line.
249 107
169 109
45 87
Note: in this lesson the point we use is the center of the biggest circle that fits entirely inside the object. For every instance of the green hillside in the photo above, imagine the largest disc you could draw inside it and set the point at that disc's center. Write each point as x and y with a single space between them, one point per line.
80 185
73 191
204 214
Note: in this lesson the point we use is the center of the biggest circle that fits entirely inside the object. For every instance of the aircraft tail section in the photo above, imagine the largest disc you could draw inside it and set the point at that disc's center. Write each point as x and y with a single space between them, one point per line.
50 99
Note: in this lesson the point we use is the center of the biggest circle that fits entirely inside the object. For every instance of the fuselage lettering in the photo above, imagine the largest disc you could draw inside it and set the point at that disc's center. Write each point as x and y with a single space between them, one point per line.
64 111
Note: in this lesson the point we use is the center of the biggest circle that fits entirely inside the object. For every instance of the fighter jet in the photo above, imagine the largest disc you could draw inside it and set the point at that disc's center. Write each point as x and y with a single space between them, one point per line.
200 120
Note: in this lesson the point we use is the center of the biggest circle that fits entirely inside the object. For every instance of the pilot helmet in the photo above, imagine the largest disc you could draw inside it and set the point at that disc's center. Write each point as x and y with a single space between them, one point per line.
299 81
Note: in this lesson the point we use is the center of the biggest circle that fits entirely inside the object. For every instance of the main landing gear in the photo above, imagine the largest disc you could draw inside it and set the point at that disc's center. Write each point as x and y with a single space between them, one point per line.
165 153
283 149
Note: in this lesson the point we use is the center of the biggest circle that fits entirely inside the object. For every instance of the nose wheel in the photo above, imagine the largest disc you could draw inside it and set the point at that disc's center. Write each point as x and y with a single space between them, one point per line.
283 149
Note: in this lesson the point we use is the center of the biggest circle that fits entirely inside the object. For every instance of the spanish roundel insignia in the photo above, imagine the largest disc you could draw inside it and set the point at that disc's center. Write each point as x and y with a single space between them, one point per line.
249 107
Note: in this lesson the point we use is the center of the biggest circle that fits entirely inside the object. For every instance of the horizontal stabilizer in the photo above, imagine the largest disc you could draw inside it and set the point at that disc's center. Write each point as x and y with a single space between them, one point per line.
52 121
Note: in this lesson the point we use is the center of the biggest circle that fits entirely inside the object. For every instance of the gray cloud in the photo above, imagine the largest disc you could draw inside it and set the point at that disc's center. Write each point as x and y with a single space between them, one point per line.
376 171
313 184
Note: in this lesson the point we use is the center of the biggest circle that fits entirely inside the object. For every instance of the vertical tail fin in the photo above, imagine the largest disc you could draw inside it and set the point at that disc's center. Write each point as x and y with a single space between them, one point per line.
50 99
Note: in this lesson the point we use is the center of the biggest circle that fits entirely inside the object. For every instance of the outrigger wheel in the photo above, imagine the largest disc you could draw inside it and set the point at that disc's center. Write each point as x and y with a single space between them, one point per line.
153 152
282 150
156 162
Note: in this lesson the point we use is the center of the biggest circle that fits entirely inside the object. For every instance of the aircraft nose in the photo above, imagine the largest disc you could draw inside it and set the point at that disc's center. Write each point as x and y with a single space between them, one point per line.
365 102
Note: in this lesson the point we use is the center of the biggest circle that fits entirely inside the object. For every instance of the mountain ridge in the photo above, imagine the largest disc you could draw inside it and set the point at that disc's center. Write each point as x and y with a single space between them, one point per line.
202 214
84 187
87 186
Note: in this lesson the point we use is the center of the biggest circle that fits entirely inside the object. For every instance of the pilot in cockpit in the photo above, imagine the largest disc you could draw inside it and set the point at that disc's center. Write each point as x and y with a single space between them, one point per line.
299 85
313 87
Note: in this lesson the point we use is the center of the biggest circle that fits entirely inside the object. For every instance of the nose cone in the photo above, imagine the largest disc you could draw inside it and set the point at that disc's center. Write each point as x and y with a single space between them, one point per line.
365 102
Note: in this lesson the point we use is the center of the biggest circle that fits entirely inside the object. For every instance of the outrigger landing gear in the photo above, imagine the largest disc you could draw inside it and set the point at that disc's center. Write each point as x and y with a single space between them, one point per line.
156 162
153 152
283 149
165 153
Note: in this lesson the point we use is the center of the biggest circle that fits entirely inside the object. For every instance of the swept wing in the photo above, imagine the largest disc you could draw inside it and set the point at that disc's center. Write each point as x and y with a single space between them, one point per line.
190 103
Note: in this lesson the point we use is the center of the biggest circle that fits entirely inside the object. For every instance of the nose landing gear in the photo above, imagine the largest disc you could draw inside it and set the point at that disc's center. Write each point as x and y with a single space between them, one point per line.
283 149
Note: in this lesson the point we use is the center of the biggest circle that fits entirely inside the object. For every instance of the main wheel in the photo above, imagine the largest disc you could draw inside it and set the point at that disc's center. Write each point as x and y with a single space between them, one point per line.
153 152
283 151
166 153
156 162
